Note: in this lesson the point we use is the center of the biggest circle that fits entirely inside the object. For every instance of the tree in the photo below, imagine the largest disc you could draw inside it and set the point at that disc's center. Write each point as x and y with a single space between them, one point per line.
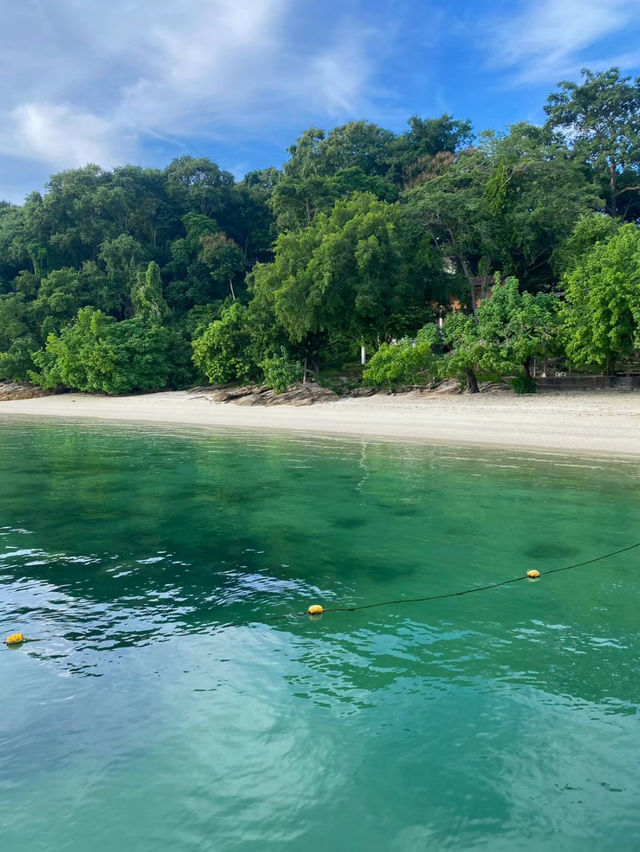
453 210
198 184
602 302
98 354
601 117
224 258
507 204
588 230
404 362
17 339
146 294
416 151
122 258
510 329
224 351
352 272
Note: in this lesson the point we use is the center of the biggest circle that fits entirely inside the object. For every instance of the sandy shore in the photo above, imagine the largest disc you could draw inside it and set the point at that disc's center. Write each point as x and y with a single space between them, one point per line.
576 423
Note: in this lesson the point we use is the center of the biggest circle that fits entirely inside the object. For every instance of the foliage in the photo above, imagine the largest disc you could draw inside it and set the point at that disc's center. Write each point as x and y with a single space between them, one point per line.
97 353
602 309
146 295
279 371
403 362
363 236
601 116
523 384
510 329
349 272
588 230
224 352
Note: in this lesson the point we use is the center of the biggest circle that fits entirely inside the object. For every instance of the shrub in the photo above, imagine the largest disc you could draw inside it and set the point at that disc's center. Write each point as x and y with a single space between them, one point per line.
403 363
524 384
280 372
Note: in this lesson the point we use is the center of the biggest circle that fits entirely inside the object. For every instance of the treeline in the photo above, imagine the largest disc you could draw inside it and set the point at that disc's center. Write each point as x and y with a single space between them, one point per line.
138 279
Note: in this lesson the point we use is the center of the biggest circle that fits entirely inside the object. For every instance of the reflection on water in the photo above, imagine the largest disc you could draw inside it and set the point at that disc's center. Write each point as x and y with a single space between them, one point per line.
144 716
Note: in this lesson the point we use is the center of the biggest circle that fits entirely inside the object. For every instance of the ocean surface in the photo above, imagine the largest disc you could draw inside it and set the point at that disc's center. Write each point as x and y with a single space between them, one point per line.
161 710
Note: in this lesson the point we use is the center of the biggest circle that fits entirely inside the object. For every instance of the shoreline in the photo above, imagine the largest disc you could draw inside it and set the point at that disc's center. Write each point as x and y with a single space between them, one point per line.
600 423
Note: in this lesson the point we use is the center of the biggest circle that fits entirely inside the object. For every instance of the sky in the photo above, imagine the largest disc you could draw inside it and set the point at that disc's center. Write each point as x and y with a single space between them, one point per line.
145 81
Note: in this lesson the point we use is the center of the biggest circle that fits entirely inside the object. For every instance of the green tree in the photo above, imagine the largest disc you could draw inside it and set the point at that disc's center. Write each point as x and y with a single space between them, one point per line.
146 294
422 148
224 352
601 116
602 302
122 258
590 229
198 184
224 259
351 272
404 362
508 204
510 329
98 354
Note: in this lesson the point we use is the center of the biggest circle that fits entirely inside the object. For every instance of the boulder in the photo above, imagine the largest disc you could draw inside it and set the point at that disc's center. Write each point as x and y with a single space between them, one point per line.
297 394
21 390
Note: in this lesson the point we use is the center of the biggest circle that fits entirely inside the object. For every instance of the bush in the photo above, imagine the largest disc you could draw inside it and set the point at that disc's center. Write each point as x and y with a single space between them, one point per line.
97 353
280 372
524 384
397 364
403 363
223 352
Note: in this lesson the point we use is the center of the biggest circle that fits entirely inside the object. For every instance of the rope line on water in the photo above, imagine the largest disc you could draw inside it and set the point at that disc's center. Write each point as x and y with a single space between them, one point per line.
18 638
442 596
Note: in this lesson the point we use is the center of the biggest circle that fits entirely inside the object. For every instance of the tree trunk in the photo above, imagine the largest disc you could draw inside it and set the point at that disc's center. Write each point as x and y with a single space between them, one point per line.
233 295
472 382
471 282
526 364
613 190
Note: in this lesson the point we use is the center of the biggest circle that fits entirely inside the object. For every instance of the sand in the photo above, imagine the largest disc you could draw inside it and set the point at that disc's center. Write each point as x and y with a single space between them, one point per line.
583 423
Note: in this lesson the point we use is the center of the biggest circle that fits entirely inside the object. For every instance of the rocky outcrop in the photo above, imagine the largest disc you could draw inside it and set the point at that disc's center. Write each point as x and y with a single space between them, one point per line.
311 393
20 390
298 394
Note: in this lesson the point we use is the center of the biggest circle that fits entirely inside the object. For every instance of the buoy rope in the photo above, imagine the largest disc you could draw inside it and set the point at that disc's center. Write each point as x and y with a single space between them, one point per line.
423 599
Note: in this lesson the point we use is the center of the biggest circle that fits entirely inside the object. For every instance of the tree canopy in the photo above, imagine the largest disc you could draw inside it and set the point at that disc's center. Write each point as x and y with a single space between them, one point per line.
135 278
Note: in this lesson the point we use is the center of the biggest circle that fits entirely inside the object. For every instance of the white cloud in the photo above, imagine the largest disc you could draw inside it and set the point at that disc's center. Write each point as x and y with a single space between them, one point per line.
546 40
60 135
88 82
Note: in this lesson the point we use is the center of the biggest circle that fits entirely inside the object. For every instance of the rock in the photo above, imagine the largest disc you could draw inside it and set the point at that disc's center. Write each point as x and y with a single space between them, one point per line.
300 394
357 392
21 390
248 399
494 387
297 394
451 386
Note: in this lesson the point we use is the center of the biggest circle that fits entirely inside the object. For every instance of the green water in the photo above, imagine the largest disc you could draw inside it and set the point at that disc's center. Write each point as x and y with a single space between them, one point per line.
504 720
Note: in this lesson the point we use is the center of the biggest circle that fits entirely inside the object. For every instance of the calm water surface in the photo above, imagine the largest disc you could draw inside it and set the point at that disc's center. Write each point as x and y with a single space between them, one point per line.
144 720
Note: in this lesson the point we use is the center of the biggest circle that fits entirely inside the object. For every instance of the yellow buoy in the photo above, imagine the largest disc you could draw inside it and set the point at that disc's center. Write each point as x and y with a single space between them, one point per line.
315 609
533 574
14 639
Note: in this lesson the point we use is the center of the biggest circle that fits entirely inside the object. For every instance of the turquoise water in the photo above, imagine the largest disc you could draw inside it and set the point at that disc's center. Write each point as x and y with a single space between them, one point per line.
145 720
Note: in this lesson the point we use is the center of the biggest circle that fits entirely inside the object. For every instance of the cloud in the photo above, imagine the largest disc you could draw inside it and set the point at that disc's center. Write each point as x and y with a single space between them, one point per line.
93 82
60 135
546 40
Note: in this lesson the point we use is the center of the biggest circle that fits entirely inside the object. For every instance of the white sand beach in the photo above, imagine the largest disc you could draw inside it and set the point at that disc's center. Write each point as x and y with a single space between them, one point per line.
586 423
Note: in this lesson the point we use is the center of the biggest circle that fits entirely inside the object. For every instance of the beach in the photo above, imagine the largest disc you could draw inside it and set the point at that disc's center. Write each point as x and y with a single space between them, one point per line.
583 423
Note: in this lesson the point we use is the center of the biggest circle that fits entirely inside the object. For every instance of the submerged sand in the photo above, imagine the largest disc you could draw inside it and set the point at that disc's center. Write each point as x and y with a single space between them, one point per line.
587 423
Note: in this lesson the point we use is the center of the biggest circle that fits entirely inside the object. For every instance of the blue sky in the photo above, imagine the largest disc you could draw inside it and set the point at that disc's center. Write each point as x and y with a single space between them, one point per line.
144 81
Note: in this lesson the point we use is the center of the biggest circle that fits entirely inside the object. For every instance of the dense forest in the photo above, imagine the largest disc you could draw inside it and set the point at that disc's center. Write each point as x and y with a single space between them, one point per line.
441 251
